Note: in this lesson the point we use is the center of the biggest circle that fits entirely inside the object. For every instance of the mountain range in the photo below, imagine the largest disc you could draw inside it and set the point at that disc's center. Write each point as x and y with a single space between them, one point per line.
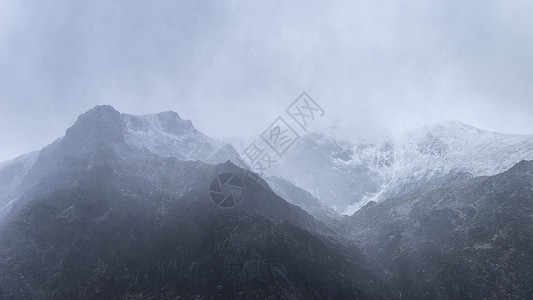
346 170
120 208
103 213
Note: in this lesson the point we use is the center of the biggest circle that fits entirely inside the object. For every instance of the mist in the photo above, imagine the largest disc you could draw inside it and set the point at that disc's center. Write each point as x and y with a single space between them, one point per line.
233 67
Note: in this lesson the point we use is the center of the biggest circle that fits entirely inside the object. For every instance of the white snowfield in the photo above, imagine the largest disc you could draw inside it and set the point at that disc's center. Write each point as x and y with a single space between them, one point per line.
346 172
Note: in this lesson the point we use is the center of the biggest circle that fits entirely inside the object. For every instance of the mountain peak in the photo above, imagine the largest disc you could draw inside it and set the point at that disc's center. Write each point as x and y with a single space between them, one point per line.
100 112
102 122
103 108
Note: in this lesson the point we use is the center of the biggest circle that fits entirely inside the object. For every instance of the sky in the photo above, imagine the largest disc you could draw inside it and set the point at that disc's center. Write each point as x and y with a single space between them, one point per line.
232 67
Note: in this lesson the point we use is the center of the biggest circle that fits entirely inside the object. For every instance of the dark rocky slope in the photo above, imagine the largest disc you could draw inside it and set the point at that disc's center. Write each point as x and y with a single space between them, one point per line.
469 240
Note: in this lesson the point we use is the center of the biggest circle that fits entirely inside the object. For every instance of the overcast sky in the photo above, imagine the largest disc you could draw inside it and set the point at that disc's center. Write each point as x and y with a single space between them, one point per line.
233 66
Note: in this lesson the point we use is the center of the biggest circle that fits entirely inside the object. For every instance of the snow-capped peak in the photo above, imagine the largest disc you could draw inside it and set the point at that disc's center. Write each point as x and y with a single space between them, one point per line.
346 171
164 134
99 134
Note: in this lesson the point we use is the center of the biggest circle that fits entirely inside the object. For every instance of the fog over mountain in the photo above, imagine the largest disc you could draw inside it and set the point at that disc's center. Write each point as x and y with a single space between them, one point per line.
120 208
233 68
266 150
345 170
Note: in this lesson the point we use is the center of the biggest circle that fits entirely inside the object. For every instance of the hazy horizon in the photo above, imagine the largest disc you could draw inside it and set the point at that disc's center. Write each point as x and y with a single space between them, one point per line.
232 69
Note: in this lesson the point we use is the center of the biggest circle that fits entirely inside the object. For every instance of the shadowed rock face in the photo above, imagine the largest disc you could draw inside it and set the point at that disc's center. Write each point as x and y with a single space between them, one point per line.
469 240
103 218
120 235
102 123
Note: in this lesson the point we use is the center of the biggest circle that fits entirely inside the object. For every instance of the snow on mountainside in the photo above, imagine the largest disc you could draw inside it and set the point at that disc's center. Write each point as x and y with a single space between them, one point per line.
164 134
167 135
346 172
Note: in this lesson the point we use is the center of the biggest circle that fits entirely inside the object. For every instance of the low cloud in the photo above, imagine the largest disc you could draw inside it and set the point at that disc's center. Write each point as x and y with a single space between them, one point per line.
233 67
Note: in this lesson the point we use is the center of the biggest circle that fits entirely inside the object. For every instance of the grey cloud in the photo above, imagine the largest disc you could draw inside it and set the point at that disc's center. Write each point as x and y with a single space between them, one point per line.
232 67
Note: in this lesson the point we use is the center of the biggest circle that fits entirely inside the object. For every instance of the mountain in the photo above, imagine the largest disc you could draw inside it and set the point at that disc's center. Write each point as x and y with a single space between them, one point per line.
470 240
164 134
346 171
120 208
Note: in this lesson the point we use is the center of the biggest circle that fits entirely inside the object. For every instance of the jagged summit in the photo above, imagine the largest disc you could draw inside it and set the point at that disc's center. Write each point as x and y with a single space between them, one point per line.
165 134
100 136
106 123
